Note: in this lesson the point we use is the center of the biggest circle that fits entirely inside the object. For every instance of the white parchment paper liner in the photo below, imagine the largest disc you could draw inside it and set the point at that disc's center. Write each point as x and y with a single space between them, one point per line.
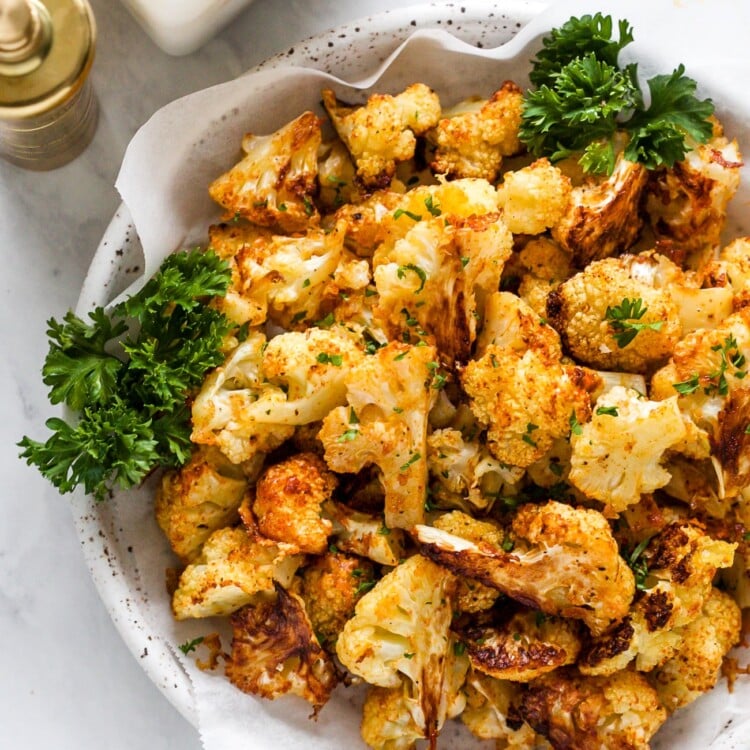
163 182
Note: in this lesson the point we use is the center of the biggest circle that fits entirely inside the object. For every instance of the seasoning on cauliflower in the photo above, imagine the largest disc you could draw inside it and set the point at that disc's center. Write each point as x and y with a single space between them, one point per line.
526 400
332 584
287 280
556 558
390 395
687 203
274 182
696 667
618 712
617 455
275 652
615 314
365 534
233 567
253 402
382 132
489 713
603 215
289 498
472 137
534 198
675 574
523 647
388 721
336 176
401 629
197 499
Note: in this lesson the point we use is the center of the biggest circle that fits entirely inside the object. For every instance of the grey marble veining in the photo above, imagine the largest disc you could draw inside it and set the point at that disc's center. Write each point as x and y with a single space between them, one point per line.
67 680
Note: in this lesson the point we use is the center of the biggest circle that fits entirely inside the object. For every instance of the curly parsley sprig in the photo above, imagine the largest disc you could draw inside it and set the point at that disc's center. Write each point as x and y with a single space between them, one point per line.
583 98
131 389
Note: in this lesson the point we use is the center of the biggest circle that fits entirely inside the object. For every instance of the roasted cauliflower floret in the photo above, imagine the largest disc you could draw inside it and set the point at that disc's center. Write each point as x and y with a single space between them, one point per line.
603 214
434 279
401 629
525 399
332 584
489 706
534 198
523 647
615 315
382 132
687 203
336 176
390 395
675 572
275 652
289 498
696 667
274 182
198 499
286 280
556 558
471 138
233 567
388 720
617 456
365 534
264 389
619 712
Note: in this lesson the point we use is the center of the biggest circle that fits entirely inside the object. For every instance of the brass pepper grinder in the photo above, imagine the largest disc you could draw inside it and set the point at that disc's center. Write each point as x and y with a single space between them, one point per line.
48 111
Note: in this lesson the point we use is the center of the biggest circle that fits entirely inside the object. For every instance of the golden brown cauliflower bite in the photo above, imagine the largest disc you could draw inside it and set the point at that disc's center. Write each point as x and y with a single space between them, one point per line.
556 558
603 215
274 182
382 132
332 584
197 499
534 198
472 137
616 315
618 712
289 498
275 652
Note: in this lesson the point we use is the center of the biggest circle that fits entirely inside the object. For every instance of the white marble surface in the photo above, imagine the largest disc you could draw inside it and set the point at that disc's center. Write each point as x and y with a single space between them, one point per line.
67 680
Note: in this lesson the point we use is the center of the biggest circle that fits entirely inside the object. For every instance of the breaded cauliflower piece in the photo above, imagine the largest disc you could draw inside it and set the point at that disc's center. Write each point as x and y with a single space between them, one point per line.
525 399
489 705
233 567
365 534
464 472
287 280
264 389
332 584
274 183
563 560
433 280
382 132
617 456
677 570
616 315
527 645
401 629
197 499
687 203
472 137
275 652
603 214
289 498
390 395
696 667
619 712
534 198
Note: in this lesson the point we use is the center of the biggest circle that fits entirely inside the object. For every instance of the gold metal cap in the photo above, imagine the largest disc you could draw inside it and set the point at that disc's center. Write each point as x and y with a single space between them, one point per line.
46 51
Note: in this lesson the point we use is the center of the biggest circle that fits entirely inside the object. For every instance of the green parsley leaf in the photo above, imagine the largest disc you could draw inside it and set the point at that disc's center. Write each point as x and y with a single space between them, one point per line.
399 212
610 411
401 272
432 207
412 460
189 646
622 319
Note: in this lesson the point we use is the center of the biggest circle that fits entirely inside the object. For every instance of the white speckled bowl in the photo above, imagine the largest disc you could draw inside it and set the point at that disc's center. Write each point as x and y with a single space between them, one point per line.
108 533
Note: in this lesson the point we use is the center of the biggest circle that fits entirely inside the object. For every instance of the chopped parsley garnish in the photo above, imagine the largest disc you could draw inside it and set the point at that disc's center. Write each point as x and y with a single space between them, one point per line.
731 360
330 359
575 425
639 566
609 411
399 212
412 460
623 321
326 322
190 646
583 97
401 272
432 207
526 437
